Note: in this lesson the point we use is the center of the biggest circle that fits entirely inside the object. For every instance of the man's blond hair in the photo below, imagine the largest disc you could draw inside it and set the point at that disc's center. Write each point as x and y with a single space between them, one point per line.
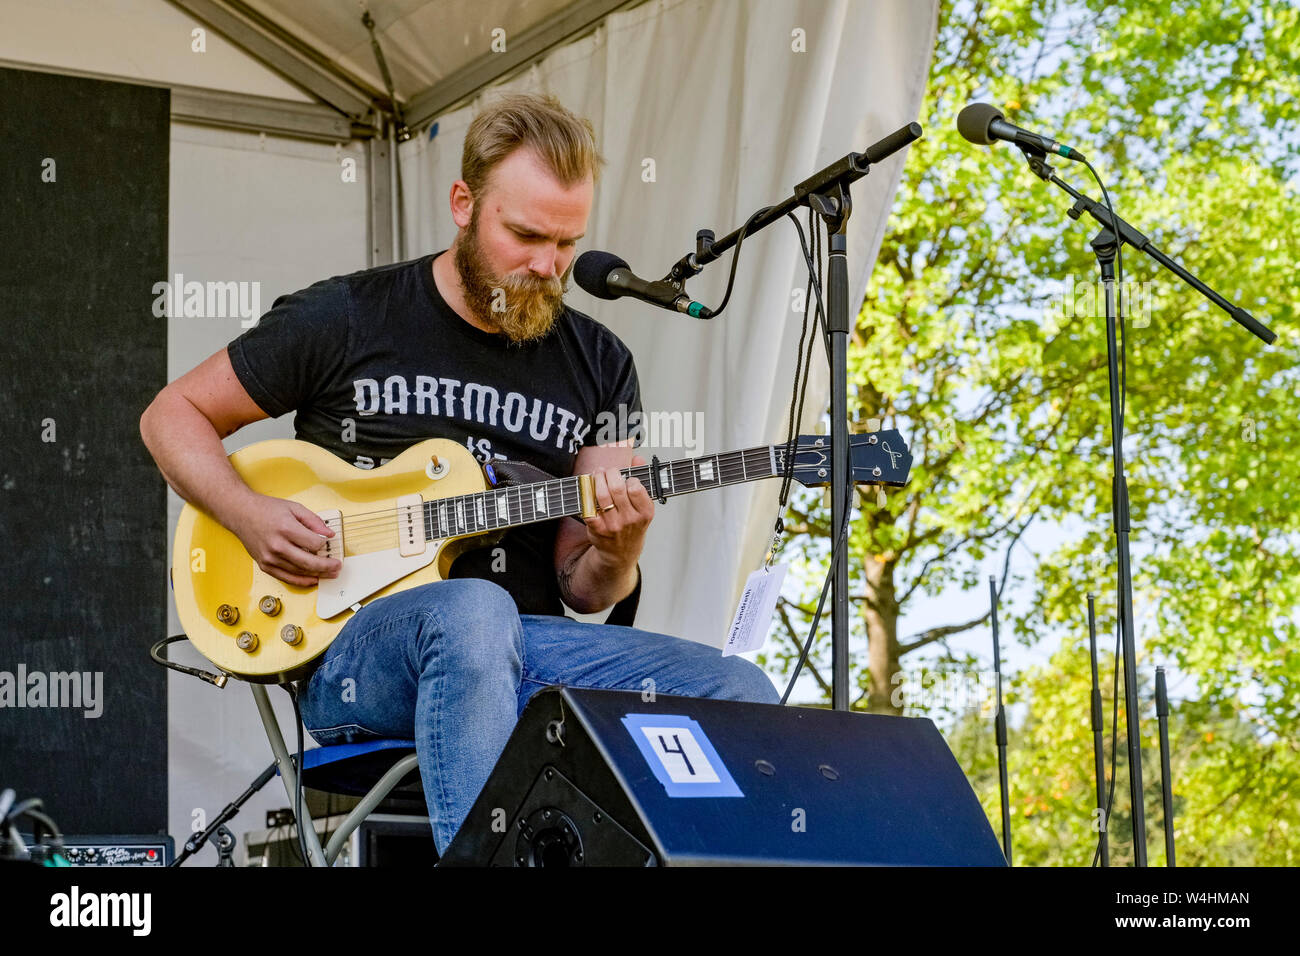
565 142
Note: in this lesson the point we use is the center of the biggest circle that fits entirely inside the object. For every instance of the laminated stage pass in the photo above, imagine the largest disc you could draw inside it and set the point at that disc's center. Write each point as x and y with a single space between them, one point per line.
754 613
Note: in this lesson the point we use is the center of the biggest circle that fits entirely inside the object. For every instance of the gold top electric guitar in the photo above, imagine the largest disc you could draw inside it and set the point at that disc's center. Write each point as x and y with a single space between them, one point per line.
404 523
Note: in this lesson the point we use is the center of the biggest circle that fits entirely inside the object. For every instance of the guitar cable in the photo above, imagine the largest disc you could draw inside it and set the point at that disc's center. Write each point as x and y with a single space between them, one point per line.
217 680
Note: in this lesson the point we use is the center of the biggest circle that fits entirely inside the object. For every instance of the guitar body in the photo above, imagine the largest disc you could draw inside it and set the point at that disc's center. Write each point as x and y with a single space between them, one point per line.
212 570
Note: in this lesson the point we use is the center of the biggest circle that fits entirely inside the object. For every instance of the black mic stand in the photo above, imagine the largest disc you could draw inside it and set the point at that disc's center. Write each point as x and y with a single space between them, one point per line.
1000 726
826 192
1166 777
225 839
1105 245
1098 728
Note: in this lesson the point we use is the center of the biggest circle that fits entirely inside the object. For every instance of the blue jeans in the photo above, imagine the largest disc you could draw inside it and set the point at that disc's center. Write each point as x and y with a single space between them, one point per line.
452 664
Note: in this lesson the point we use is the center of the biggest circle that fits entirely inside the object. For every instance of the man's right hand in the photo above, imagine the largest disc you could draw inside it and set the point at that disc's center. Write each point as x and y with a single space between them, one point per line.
283 537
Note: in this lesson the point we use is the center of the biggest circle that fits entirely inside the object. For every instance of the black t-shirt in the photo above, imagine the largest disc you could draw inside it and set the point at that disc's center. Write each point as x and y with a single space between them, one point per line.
380 358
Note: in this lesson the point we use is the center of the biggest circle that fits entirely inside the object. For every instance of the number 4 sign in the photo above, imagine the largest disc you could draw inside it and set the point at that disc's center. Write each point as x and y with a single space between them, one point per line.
680 755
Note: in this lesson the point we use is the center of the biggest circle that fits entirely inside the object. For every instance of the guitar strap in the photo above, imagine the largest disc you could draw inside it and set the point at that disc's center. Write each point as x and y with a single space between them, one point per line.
514 473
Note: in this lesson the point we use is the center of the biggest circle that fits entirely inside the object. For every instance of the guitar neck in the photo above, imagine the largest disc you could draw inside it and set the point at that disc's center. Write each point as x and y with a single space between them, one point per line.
513 505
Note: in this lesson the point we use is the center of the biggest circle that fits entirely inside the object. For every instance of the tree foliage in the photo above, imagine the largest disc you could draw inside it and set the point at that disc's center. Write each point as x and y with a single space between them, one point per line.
981 338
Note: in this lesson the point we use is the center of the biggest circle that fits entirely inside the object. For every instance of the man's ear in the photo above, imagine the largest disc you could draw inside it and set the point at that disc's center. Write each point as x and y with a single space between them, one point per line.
462 203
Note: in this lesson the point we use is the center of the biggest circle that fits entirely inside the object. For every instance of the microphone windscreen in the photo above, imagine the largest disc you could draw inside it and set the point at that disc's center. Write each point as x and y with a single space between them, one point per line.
591 270
973 122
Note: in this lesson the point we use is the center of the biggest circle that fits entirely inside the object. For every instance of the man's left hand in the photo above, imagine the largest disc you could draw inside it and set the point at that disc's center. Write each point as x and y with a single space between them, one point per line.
624 510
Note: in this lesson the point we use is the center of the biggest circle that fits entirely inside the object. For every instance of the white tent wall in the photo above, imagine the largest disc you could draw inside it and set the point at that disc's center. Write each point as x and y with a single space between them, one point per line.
711 91
732 116
272 212
277 213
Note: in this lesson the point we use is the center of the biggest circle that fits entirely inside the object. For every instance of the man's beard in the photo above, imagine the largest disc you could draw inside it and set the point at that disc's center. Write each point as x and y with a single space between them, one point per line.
522 307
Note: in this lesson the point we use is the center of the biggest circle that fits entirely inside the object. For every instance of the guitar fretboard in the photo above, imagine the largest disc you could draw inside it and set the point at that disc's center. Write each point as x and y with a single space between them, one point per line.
509 506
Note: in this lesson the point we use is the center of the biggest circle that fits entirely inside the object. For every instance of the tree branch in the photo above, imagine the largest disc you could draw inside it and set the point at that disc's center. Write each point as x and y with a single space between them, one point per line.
946 630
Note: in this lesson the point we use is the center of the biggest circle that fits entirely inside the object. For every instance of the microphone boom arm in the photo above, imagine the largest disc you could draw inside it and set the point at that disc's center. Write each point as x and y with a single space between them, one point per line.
844 171
1037 160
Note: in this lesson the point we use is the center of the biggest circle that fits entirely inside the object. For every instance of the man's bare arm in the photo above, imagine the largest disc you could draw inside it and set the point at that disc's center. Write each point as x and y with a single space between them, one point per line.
183 428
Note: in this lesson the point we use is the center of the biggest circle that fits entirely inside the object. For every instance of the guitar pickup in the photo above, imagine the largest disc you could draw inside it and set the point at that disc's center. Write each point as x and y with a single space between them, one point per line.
411 539
333 547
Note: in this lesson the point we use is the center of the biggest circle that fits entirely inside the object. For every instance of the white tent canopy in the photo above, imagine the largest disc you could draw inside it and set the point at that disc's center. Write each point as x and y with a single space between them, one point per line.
705 110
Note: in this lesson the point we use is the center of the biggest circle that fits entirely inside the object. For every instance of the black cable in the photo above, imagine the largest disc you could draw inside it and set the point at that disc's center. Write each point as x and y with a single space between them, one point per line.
839 547
12 812
800 384
735 259
837 554
1118 438
217 680
276 837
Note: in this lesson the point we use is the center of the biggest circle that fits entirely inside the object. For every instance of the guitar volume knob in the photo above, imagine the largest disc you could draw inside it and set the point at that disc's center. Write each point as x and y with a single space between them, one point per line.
246 641
291 634
269 605
227 614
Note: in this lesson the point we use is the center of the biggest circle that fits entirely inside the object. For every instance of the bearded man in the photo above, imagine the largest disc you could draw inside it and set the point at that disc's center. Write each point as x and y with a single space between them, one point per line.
474 344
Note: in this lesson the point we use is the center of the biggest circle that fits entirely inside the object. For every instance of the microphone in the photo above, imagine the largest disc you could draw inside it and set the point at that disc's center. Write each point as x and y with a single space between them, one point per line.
606 276
982 124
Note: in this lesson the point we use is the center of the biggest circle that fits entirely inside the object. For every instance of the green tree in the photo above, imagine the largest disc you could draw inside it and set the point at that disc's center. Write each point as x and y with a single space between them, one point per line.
1230 788
981 340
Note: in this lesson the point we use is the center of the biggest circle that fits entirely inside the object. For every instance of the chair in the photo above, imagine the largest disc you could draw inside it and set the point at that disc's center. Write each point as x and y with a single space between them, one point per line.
370 769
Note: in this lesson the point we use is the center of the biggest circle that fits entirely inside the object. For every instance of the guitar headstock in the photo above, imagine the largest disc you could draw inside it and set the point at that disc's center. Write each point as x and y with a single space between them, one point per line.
876 458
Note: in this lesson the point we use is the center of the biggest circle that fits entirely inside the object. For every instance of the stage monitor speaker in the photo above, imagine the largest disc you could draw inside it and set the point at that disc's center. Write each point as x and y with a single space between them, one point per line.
607 778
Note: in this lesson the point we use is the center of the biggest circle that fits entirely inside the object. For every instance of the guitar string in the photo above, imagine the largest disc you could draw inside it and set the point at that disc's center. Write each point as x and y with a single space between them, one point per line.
385 524
641 472
387 517
359 530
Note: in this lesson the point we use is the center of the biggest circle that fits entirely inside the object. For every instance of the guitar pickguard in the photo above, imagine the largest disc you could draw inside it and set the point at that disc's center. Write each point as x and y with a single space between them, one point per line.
364 574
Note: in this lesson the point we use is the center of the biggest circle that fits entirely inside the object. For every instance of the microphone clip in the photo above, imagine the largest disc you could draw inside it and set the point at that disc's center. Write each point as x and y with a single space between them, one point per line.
1037 160
689 264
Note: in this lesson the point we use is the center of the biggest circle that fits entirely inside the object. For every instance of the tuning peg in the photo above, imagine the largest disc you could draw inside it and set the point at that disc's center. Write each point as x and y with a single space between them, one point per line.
863 492
873 424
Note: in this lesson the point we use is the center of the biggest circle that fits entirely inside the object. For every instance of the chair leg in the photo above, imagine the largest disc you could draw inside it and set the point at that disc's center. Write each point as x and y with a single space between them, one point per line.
288 775
368 803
